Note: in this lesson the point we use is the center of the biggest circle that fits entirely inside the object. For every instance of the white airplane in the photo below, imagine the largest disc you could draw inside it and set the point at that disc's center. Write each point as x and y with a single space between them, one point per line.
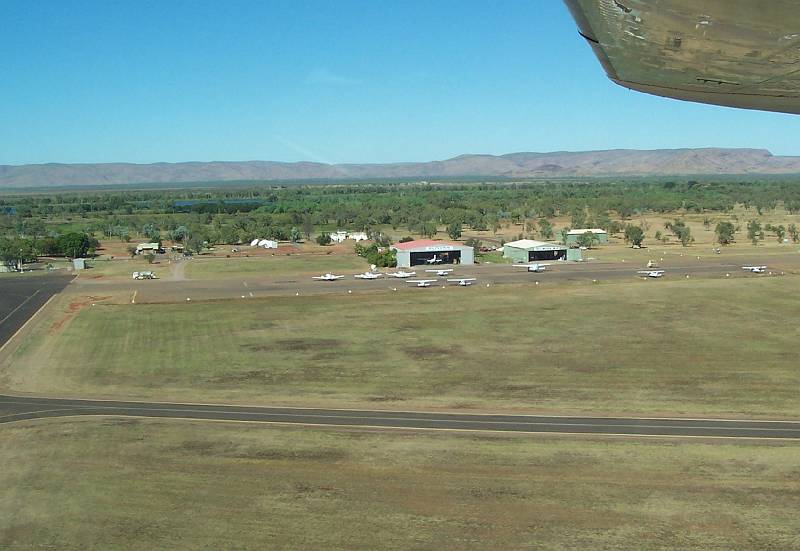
434 260
368 275
441 273
421 282
327 277
536 267
651 273
755 269
401 274
463 282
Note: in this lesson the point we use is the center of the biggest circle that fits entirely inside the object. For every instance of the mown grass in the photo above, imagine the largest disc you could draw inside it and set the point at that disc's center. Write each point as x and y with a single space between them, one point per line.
156 484
688 347
272 266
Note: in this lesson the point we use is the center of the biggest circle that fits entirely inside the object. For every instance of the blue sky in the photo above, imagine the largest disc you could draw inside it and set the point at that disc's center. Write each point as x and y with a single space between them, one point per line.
332 81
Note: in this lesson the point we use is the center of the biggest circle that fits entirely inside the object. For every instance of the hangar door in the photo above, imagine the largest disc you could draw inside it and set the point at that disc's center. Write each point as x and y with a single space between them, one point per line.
537 256
446 257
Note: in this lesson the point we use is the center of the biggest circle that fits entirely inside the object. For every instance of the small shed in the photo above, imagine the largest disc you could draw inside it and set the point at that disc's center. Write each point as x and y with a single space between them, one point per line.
79 263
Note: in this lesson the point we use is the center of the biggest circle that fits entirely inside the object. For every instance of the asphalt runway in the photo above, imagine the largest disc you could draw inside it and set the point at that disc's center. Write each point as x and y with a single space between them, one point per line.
23 408
676 267
21 297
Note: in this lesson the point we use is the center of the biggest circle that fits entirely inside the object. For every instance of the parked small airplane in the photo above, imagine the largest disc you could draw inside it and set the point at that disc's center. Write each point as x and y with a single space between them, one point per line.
755 269
368 275
434 260
327 277
536 267
144 275
401 274
651 273
421 282
463 282
443 272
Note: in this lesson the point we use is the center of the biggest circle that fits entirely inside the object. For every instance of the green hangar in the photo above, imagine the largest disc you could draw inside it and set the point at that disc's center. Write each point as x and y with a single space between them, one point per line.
428 252
528 250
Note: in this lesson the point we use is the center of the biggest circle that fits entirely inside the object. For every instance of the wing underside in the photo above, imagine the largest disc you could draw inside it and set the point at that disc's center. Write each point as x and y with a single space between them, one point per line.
736 53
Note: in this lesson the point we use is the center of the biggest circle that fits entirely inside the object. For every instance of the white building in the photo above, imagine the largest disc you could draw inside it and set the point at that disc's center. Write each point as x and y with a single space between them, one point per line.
358 236
268 244
338 236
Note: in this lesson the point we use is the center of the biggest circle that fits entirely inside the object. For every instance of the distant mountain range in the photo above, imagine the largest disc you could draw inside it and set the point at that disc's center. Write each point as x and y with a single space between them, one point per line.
617 162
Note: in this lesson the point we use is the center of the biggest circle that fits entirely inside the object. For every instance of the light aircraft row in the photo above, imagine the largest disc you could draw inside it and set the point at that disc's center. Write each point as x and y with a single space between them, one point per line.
366 275
461 281
660 273
467 281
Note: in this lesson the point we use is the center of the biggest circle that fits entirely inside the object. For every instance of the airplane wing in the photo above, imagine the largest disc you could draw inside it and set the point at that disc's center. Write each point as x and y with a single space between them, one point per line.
735 53
461 279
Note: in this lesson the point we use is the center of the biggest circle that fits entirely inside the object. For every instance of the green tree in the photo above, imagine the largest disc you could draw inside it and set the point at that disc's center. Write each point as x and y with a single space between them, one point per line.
294 235
780 233
634 235
151 232
454 230
324 238
73 244
587 239
754 231
428 228
545 228
17 251
194 244
794 235
475 244
308 226
684 235
178 234
725 233
131 250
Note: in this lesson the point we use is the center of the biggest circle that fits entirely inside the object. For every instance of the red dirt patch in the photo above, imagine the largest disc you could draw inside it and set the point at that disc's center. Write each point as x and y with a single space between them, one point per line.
74 307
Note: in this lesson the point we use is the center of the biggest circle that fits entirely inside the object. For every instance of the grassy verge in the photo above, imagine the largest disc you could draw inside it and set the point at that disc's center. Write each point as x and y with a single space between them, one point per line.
699 347
148 484
272 266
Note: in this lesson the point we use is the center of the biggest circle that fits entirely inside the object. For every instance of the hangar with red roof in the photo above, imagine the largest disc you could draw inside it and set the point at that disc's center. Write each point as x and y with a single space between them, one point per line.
424 251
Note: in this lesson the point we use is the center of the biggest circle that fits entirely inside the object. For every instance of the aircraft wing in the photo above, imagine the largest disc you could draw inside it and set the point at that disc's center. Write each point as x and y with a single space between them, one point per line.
736 53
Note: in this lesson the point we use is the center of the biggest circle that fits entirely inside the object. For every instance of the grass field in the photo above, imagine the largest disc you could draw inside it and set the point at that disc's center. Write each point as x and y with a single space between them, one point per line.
272 266
153 484
710 347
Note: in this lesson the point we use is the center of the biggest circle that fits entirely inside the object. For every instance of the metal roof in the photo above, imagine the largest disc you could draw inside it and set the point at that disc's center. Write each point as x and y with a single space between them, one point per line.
530 244
581 231
424 243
